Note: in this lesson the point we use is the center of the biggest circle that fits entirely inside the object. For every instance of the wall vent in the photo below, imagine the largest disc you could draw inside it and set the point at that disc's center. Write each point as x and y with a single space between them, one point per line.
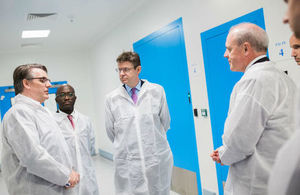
34 16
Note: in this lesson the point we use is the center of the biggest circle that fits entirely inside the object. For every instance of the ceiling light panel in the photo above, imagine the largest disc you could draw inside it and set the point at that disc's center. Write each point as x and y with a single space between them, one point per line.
35 33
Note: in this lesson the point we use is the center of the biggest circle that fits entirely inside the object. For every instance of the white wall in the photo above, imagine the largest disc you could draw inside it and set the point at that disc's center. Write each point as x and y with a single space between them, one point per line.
62 66
198 16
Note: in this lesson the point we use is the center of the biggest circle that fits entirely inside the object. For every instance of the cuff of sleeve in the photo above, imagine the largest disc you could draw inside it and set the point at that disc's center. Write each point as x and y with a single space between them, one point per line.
67 184
65 180
228 157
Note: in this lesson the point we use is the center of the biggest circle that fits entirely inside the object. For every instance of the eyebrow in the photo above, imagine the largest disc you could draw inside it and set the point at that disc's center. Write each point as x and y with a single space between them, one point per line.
295 45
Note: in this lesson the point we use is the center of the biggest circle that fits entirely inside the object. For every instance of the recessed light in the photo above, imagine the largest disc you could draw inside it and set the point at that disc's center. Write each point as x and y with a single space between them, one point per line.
35 33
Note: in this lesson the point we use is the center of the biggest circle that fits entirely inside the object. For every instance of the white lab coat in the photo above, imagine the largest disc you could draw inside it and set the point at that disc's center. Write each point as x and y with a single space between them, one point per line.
260 119
81 143
143 158
35 156
285 174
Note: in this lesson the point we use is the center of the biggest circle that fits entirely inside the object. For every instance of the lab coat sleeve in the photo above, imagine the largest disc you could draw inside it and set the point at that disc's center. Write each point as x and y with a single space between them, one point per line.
22 135
243 128
164 112
91 138
109 121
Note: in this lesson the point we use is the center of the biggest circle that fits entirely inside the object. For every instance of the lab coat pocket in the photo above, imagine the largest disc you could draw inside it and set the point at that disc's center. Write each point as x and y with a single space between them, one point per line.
121 174
123 127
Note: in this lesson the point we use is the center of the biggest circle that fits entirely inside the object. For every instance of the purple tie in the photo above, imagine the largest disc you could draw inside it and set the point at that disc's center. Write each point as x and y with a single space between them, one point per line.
71 120
134 95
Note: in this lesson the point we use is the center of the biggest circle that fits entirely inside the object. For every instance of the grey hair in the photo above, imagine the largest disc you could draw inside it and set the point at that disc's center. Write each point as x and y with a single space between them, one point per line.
253 34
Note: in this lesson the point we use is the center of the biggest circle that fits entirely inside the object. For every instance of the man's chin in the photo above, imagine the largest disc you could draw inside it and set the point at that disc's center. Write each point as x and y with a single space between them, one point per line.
124 82
67 107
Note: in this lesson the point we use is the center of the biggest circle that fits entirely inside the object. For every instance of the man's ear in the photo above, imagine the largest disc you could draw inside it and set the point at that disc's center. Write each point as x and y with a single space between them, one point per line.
246 47
26 83
139 69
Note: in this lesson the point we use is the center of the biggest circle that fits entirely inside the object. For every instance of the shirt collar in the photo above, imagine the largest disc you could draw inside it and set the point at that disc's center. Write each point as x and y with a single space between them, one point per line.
62 115
138 87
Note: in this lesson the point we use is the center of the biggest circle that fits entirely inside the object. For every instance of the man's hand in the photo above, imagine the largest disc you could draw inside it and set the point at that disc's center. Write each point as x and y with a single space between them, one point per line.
215 156
74 179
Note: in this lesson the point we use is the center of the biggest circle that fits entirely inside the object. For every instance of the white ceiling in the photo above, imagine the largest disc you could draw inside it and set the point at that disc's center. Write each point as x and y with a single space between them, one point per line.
76 26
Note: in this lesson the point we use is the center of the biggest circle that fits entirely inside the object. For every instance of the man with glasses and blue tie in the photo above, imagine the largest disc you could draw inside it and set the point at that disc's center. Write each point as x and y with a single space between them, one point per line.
79 135
137 119
35 157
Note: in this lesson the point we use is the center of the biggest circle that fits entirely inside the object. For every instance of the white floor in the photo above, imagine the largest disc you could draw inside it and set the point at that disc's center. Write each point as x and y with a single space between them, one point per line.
104 170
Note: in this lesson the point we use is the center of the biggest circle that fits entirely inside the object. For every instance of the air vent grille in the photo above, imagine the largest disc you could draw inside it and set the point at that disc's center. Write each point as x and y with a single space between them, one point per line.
34 16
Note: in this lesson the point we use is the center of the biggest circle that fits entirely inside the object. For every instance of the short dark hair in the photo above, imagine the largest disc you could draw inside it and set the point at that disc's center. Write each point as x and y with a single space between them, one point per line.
129 56
62 86
24 72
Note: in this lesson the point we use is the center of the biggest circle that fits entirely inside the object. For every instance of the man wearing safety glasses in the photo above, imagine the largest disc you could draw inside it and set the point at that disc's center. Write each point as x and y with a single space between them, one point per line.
80 137
35 156
137 119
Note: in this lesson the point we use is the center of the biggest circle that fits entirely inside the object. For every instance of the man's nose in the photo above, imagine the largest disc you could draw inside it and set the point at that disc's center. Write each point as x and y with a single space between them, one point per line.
122 73
226 54
67 97
48 84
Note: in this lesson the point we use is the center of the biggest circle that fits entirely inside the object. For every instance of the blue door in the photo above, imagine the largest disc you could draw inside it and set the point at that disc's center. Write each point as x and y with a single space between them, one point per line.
163 60
220 80
6 95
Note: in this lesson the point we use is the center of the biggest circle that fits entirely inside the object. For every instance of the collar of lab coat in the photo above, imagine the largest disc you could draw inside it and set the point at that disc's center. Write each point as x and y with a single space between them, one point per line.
124 93
254 60
24 99
31 102
138 87
62 116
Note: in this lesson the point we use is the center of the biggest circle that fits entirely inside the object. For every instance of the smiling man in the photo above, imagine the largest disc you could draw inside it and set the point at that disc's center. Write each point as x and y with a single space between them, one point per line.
260 116
35 157
80 137
137 119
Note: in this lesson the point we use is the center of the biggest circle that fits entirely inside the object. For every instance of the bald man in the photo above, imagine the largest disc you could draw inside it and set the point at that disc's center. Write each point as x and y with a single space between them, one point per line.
260 114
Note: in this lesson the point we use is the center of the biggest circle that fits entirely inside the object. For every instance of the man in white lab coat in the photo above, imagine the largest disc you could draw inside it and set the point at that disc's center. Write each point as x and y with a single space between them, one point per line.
285 176
137 119
80 137
35 157
260 117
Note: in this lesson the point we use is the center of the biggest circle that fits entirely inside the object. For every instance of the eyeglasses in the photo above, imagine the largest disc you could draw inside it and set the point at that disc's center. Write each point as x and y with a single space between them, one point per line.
42 79
125 70
63 95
